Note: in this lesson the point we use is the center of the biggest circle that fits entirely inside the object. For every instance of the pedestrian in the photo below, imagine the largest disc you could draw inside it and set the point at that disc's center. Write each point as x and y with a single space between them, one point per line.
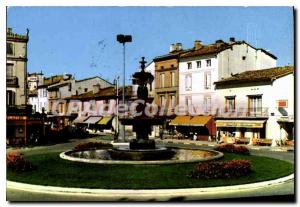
161 133
195 137
219 137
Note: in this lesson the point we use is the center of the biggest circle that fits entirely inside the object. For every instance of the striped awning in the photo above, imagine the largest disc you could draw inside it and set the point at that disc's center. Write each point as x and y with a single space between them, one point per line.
241 123
105 120
93 119
190 120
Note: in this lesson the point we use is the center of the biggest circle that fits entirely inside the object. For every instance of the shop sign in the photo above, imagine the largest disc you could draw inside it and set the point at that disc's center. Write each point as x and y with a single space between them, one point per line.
239 124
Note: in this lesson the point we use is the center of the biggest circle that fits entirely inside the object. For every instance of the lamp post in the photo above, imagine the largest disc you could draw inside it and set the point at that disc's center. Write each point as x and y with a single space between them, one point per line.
121 38
116 83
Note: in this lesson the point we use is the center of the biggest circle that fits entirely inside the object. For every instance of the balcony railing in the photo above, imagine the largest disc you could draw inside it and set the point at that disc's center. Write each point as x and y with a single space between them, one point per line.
12 81
244 112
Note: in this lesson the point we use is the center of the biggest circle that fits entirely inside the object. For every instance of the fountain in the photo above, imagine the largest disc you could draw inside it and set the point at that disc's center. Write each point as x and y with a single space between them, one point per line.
141 150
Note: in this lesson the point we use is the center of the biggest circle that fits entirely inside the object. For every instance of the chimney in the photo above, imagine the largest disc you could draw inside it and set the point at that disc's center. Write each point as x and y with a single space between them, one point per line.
178 46
231 40
197 44
175 47
96 88
219 41
172 47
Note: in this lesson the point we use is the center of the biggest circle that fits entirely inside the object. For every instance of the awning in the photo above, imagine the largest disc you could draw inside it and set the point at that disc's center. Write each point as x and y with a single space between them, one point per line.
241 123
190 120
80 119
105 120
93 119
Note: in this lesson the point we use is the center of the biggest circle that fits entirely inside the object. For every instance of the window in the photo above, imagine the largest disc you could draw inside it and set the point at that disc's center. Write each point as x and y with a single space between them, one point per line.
207 104
85 90
230 104
9 48
45 92
172 78
61 108
172 66
10 98
188 82
70 87
189 65
255 104
162 80
106 102
207 80
208 63
162 67
198 64
172 101
162 100
244 58
9 70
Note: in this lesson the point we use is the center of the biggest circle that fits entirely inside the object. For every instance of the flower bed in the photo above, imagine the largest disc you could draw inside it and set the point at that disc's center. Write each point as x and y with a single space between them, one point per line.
92 145
17 162
222 169
231 148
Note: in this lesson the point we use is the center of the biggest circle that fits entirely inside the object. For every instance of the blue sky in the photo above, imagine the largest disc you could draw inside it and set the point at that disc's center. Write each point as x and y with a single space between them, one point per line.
82 40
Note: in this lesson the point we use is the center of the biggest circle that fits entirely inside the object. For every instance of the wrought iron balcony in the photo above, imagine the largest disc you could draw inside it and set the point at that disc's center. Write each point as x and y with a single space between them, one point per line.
12 81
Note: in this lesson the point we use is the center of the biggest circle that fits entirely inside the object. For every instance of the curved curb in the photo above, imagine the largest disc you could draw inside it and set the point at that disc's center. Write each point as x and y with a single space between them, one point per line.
143 195
64 156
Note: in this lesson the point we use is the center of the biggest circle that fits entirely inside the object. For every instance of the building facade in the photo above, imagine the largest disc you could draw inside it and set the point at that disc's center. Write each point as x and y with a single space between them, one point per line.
85 85
203 65
16 68
166 78
34 80
257 105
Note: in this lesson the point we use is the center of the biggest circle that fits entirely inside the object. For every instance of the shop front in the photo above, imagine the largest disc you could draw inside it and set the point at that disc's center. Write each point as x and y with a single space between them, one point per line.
197 127
233 131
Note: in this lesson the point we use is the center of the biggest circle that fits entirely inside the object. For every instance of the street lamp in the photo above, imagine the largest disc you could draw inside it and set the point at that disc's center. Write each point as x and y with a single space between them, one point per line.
121 38
116 83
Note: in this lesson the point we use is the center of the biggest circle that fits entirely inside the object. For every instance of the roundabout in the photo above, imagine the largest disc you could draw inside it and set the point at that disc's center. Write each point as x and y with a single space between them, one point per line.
58 179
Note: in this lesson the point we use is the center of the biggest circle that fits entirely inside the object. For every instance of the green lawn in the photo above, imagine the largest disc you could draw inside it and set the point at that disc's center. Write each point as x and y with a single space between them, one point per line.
54 171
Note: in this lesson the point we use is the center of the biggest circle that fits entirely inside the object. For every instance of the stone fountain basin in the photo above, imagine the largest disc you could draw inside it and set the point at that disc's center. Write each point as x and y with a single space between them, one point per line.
103 156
